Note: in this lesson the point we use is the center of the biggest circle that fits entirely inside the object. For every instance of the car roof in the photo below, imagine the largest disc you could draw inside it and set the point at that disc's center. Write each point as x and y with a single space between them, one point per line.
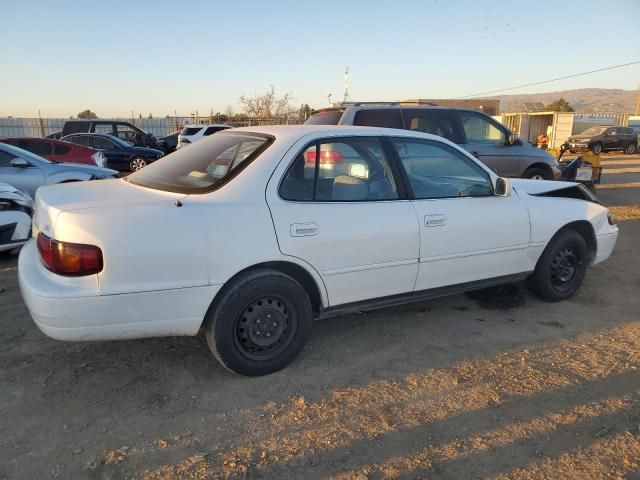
295 132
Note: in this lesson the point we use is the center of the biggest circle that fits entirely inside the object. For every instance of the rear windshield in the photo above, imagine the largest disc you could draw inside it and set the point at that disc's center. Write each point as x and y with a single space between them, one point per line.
204 166
190 130
328 117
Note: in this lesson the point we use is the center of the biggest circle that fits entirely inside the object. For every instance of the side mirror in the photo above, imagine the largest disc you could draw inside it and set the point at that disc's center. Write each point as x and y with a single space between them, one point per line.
502 188
512 139
19 163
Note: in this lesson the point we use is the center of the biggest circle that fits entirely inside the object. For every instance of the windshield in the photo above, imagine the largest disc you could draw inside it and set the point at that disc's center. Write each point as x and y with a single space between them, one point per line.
204 166
119 141
594 131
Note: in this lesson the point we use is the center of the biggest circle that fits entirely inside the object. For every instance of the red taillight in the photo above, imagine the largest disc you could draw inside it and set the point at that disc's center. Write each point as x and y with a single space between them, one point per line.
329 157
72 259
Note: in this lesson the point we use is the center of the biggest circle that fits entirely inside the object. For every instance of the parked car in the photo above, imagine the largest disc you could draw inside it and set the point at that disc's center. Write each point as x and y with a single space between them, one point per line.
16 208
488 140
604 139
57 151
239 236
55 135
119 155
26 171
193 133
123 130
169 143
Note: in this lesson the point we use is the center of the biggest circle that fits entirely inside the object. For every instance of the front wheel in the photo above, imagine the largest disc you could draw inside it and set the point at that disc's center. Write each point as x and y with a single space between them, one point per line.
596 149
536 174
561 267
631 149
137 163
260 323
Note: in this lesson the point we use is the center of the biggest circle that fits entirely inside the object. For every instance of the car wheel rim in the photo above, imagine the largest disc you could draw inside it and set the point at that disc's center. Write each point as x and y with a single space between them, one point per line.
537 176
138 164
565 267
265 328
597 149
631 149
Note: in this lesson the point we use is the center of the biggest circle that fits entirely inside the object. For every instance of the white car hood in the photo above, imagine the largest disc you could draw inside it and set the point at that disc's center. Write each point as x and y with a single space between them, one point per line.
536 187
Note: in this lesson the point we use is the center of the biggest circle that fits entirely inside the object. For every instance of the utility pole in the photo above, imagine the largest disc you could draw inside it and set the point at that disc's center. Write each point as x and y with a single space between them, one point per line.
638 102
347 97
329 98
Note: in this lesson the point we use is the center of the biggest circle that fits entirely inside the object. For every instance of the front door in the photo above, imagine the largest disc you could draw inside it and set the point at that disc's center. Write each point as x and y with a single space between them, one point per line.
466 232
341 208
486 140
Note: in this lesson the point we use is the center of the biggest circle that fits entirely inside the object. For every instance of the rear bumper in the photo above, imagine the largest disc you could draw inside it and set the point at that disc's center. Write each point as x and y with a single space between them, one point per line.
606 243
107 317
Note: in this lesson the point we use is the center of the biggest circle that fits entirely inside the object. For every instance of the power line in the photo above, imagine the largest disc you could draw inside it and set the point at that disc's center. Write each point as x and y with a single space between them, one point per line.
552 80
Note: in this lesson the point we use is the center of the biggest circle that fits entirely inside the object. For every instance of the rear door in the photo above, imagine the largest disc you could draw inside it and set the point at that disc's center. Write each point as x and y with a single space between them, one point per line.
436 121
486 140
466 232
338 204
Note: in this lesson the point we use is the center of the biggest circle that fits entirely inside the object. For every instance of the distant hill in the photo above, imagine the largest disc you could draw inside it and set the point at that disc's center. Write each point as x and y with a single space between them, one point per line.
582 100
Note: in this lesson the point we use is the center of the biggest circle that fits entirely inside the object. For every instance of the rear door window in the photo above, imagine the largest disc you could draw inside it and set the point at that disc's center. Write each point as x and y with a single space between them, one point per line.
386 118
80 140
104 129
104 143
443 123
126 133
340 170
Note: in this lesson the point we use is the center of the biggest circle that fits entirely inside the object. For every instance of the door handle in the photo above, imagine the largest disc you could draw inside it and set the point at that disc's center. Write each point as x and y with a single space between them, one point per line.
304 229
435 220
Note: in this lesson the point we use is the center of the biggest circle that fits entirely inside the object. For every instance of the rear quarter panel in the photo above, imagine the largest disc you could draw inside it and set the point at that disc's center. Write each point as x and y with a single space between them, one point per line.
146 246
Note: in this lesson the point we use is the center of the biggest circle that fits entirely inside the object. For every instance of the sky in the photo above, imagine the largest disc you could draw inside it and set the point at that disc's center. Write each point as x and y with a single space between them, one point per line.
158 57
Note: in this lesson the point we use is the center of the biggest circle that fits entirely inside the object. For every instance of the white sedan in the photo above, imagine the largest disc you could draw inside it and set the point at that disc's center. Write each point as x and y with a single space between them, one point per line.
252 233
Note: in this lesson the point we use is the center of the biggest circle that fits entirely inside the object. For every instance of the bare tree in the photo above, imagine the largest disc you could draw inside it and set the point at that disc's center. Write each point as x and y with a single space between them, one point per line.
268 105
228 111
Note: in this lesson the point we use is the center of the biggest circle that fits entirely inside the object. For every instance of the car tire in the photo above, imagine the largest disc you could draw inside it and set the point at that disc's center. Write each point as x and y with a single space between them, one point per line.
536 173
596 148
260 323
631 149
137 163
561 267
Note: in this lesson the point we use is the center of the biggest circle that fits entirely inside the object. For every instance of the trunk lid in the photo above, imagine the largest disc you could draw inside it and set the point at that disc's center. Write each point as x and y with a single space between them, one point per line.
51 200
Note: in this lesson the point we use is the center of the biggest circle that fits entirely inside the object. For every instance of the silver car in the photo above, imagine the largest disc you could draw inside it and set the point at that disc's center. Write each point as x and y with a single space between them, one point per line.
486 139
27 171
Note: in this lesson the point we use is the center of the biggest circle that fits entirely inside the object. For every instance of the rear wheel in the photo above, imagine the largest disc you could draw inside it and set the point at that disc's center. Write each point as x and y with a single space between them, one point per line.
631 149
536 173
561 267
596 149
260 323
137 163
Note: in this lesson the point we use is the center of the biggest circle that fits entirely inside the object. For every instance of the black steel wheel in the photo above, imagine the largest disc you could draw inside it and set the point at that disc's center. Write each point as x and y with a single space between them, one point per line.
596 149
561 267
259 323
631 149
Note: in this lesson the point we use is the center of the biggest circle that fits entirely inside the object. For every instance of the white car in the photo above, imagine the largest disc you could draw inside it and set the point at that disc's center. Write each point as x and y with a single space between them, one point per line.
15 217
242 236
192 133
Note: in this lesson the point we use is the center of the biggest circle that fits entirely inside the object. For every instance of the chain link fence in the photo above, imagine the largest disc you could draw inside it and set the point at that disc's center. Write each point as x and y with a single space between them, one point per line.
41 127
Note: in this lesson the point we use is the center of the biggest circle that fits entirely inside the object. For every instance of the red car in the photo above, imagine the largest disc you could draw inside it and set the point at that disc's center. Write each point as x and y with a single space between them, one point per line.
58 151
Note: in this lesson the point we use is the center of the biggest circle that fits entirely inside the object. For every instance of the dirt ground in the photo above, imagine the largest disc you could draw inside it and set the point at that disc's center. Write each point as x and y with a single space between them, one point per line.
449 389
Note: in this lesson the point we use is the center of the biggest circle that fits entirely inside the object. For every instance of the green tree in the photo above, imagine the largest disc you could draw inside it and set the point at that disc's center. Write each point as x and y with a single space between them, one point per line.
150 117
305 111
560 105
87 114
